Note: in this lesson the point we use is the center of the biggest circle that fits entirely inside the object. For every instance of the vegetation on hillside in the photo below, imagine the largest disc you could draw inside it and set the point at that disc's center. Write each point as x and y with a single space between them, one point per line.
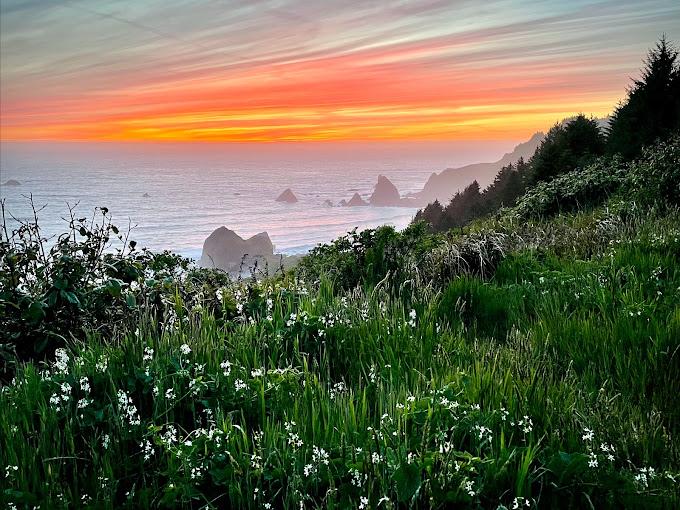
652 108
651 113
528 360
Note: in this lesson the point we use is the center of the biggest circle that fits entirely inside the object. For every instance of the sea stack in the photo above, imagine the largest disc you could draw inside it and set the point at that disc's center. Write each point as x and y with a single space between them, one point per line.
12 182
287 196
385 193
225 249
356 201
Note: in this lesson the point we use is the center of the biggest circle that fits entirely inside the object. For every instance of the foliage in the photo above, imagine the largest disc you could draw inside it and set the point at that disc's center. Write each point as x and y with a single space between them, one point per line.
481 308
507 187
367 256
51 292
542 381
655 178
585 187
567 146
651 110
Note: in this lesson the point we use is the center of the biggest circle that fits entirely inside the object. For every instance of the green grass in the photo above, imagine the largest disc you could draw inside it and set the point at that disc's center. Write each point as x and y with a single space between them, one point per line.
455 392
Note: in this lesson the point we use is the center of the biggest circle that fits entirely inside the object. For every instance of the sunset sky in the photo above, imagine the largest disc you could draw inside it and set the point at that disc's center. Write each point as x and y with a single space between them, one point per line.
316 69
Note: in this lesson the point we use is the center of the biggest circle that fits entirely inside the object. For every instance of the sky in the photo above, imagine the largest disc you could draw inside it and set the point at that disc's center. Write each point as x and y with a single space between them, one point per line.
308 70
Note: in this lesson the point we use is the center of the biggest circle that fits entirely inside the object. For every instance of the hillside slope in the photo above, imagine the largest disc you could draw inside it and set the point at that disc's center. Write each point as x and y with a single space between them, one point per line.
444 185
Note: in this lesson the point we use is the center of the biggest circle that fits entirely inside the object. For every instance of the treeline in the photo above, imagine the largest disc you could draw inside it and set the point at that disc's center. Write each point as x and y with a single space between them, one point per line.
651 112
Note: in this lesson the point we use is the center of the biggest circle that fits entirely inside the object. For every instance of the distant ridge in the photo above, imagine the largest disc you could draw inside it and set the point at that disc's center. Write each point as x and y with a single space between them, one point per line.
442 186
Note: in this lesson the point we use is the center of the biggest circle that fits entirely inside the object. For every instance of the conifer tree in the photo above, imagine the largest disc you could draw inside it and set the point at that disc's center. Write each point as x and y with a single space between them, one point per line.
652 109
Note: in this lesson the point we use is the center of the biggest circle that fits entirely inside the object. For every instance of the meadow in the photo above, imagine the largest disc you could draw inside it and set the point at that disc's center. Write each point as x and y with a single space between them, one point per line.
528 360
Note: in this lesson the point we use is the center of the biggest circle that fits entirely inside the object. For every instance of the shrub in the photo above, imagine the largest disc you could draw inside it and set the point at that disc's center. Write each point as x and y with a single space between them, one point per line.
585 187
656 176
367 257
51 294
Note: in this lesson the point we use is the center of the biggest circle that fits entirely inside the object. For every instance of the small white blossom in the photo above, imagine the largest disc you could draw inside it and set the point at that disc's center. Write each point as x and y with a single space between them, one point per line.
226 368
61 360
147 449
85 384
587 434
148 354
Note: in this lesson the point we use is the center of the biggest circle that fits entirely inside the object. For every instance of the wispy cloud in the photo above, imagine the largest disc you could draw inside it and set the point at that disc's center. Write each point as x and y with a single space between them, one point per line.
264 70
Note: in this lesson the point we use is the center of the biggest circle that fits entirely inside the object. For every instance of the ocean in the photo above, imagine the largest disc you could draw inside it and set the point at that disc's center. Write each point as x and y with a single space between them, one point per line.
176 194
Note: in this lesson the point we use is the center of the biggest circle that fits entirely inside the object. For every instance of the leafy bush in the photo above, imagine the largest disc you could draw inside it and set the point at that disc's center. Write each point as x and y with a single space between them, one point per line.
367 257
580 188
655 178
82 283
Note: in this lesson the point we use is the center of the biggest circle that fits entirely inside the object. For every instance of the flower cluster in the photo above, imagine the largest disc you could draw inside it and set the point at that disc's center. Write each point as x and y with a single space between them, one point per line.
58 399
128 411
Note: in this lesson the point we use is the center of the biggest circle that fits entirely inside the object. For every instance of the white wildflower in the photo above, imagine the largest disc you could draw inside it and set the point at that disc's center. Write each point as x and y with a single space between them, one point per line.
61 360
587 434
147 449
148 354
85 384
102 364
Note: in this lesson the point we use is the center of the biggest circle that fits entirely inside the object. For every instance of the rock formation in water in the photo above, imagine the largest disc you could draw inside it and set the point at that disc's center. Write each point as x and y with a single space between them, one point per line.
146 195
12 182
327 203
385 193
356 201
287 196
225 249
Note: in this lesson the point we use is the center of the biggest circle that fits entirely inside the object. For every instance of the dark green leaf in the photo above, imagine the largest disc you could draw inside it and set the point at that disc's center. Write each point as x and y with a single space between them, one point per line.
407 481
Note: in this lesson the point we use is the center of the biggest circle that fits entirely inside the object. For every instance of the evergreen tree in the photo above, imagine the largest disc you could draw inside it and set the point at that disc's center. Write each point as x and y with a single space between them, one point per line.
463 207
652 108
432 215
566 147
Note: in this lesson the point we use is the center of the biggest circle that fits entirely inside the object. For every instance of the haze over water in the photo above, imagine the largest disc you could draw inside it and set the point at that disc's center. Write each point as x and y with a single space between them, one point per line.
194 188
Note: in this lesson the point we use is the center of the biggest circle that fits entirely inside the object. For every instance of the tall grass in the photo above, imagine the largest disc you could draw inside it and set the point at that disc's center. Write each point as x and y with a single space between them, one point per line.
550 380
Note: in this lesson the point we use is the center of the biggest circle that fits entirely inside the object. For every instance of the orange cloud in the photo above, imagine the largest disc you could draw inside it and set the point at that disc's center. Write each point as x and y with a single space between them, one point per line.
413 79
